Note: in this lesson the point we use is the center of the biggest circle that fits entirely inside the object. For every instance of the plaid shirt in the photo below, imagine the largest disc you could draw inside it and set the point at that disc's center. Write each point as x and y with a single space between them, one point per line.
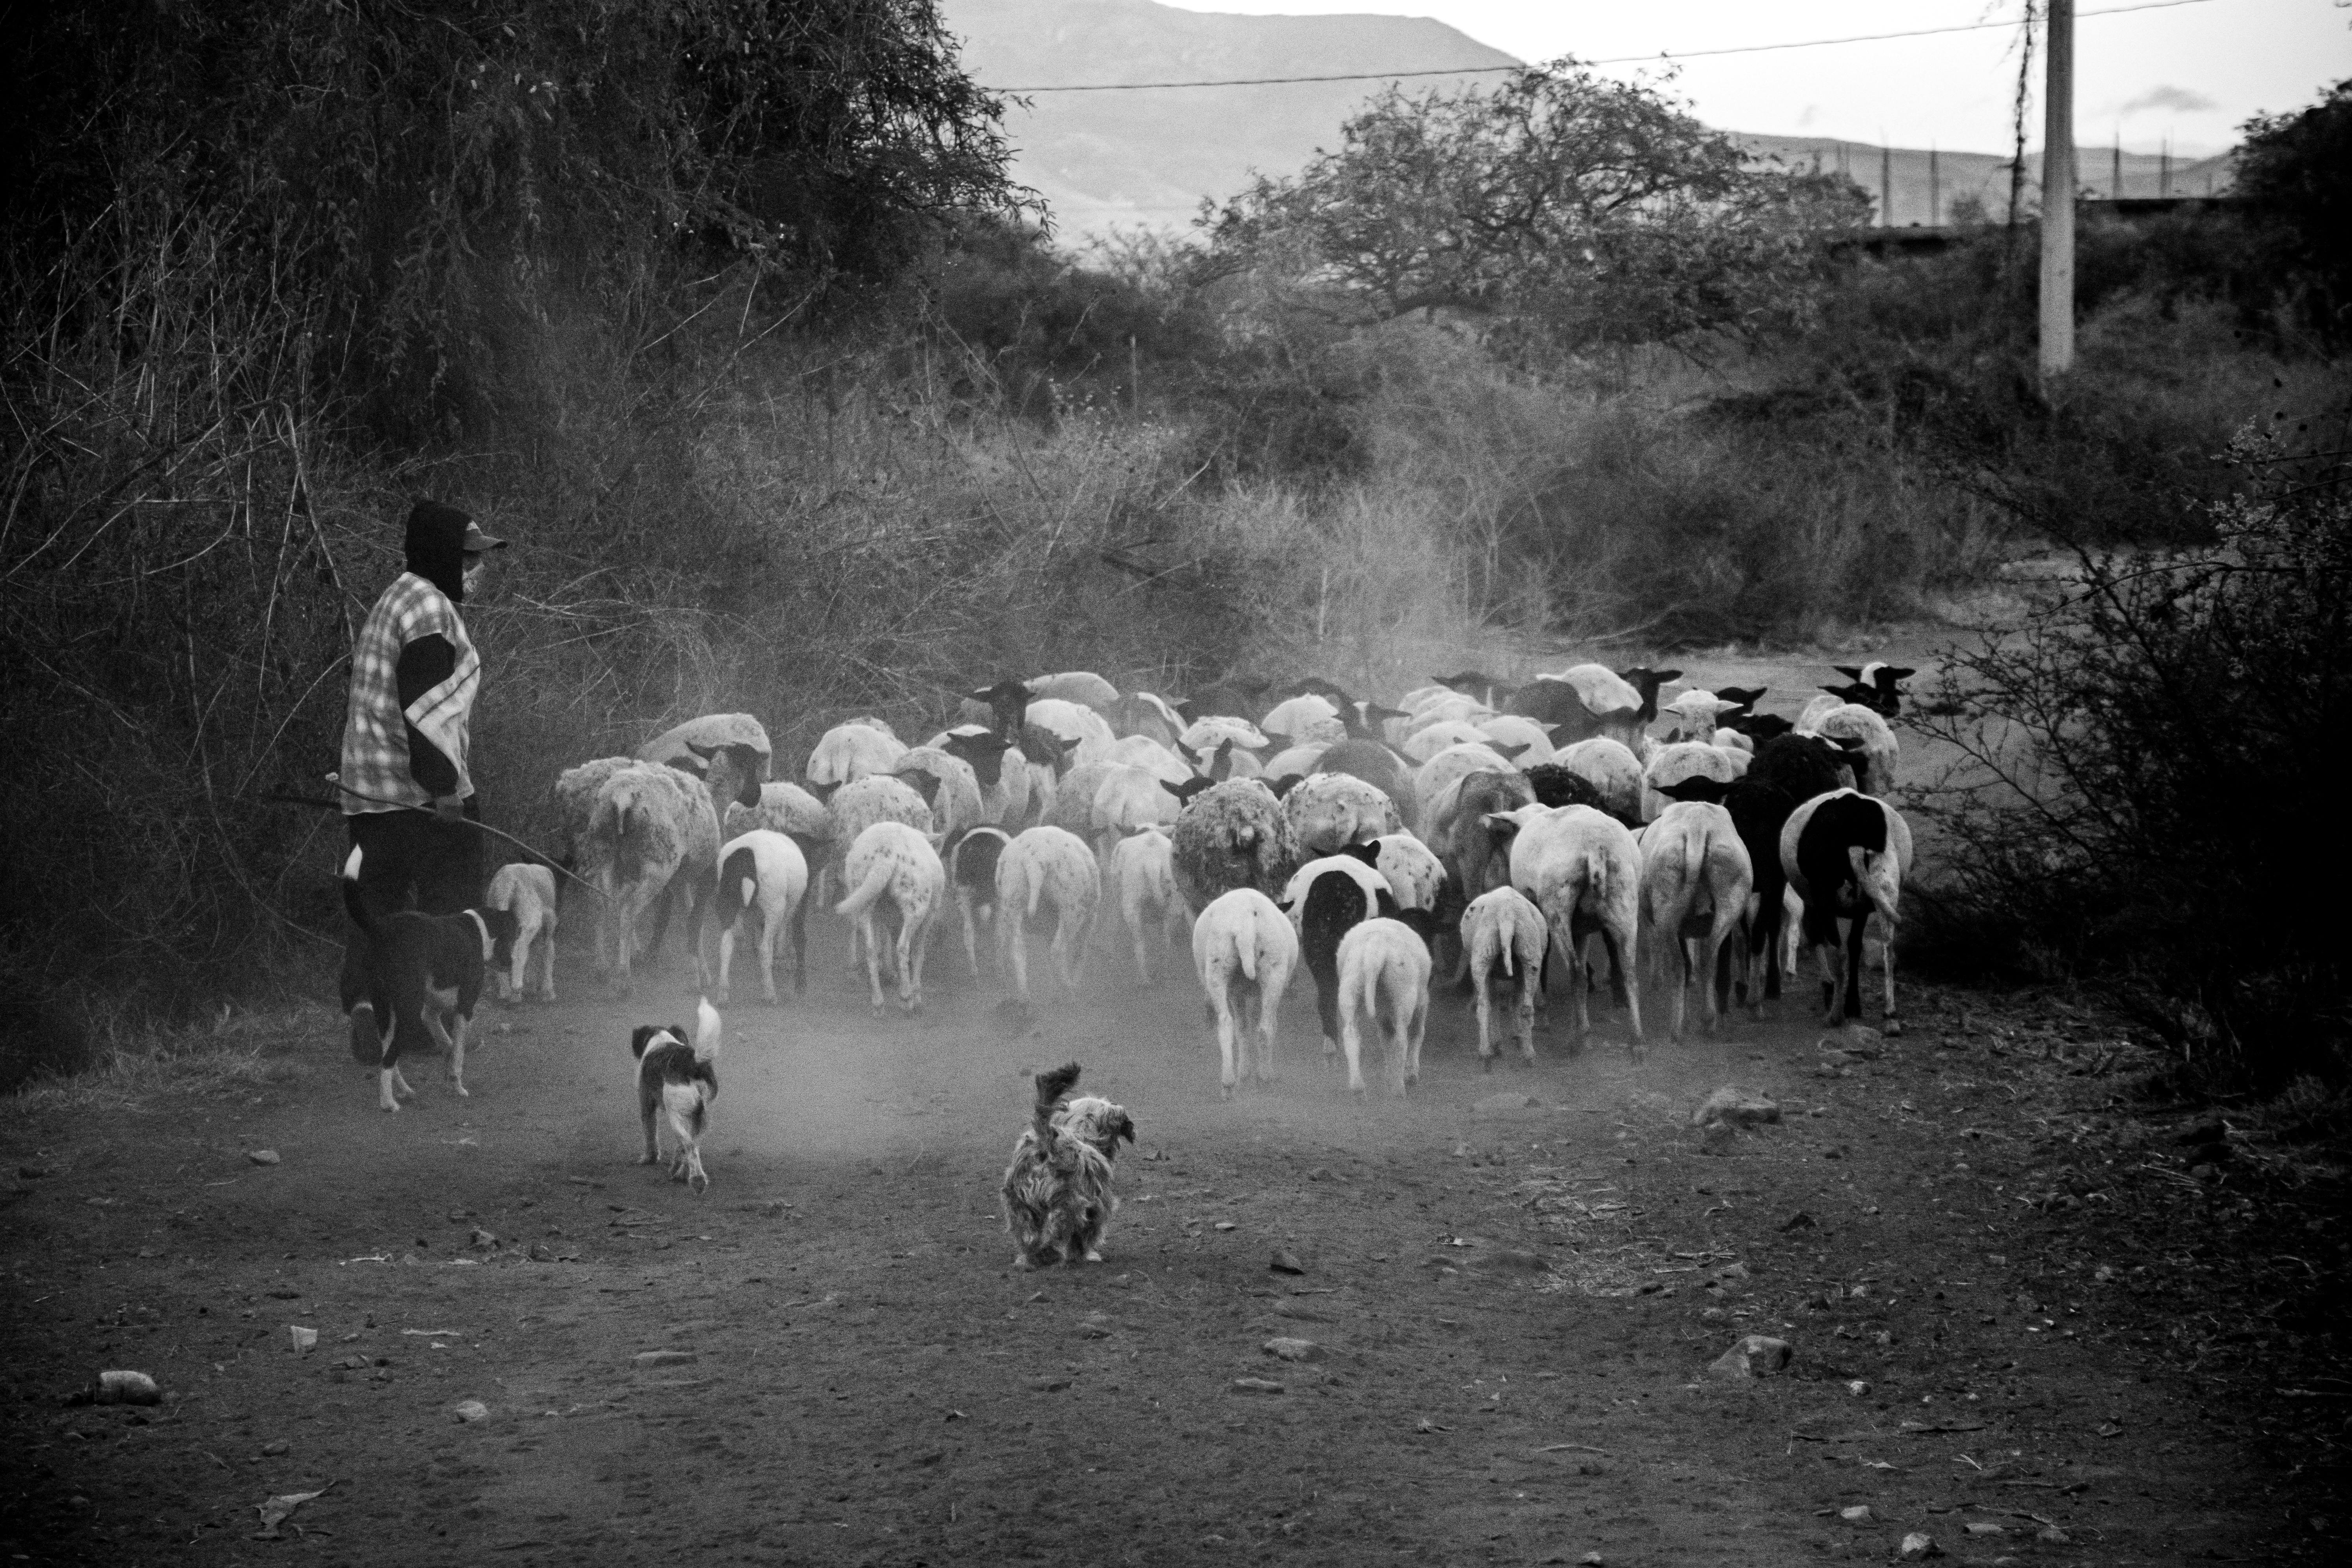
375 767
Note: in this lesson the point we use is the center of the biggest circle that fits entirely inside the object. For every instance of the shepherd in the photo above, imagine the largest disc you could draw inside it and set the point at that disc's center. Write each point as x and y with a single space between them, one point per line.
408 797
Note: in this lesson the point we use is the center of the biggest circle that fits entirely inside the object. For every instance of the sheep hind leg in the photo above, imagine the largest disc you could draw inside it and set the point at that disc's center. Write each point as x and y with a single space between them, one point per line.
864 929
1229 1044
1481 987
1850 985
1889 1023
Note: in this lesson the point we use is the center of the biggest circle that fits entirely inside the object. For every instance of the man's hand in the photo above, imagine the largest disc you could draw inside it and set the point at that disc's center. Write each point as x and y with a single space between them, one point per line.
448 808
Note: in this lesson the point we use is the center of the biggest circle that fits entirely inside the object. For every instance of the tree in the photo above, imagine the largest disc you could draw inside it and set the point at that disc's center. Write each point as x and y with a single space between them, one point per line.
435 173
2296 172
1582 209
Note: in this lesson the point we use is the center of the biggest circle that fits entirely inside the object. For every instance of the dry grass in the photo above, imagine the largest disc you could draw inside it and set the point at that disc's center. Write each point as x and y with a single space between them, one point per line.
135 1061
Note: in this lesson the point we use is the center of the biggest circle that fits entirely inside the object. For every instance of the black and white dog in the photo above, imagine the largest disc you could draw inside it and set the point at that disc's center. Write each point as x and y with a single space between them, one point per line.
1057 1192
425 974
676 1083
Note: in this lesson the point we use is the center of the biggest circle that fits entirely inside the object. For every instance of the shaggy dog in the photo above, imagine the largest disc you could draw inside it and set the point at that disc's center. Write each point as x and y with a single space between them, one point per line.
676 1082
1057 1192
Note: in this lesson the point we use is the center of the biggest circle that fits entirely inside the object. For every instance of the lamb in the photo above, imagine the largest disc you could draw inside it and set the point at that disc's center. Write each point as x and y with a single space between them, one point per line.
1878 679
526 893
1245 953
729 750
1081 686
1420 745
1329 811
1458 830
858 806
954 794
1697 712
1050 868
1866 735
1516 729
1205 734
1143 867
848 753
1377 766
1232 835
1610 767
1076 723
1414 873
892 860
1001 777
762 873
1696 879
649 826
1384 977
1501 929
1129 799
1455 762
1583 870
1304 718
972 872
1592 700
1325 899
1846 855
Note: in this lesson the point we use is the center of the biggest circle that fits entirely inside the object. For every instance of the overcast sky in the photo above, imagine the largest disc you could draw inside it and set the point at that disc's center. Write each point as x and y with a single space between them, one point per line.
2193 71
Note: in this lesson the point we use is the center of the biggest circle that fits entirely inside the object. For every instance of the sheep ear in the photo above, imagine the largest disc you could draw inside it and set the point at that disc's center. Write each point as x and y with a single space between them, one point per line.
1852 673
1896 672
704 752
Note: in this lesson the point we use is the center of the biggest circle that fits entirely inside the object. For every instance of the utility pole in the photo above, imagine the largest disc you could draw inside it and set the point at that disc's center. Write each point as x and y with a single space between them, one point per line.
1885 185
1935 190
2164 170
2115 178
2058 197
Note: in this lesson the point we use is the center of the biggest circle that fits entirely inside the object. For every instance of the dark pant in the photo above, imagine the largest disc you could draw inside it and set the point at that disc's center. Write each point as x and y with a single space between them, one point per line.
411 861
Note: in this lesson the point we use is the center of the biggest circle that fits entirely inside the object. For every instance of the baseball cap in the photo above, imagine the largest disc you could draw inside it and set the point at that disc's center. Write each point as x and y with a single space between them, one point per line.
477 541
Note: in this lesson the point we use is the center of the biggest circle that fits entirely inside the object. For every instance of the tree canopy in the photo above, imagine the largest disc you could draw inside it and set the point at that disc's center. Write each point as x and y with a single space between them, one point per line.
2295 170
1582 209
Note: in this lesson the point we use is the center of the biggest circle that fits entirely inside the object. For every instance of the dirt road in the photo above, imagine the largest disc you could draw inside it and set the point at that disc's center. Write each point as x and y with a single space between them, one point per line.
827 1359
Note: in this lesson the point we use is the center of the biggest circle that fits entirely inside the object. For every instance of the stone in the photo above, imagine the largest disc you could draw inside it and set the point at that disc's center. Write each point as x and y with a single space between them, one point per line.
305 1341
467 1410
125 1388
2050 1535
663 1358
1284 1263
1752 1355
1289 1348
1257 1386
1985 1527
1917 1546
1857 1040
276 1447
262 1156
1736 1108
1858 1514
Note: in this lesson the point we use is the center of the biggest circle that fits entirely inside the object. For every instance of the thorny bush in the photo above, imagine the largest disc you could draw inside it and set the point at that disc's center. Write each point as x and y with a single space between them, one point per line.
2147 788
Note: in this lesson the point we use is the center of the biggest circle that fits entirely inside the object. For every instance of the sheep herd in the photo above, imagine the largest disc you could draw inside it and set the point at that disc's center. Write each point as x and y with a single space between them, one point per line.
1503 828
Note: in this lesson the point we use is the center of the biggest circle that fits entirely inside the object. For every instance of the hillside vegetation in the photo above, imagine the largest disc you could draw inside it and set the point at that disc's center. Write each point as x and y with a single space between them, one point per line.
733 323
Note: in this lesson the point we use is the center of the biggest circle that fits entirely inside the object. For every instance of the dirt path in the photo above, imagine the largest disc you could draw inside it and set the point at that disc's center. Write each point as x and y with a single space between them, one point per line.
1518 1307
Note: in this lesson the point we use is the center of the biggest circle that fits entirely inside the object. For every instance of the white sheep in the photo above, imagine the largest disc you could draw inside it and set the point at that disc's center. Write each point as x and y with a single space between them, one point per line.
762 874
1299 760
729 751
1610 767
1142 752
1695 878
1245 953
1850 722
1429 780
650 824
858 806
1517 730
955 796
1451 708
1383 977
1330 811
1074 721
894 860
1846 855
1582 868
1414 873
528 893
850 751
1081 686
576 803
1501 929
1206 735
1679 761
1143 869
1146 713
1073 803
1048 868
1129 799
1425 744
1306 718
788 809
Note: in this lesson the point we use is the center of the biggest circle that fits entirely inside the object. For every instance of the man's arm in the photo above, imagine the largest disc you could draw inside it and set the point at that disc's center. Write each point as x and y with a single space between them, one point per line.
423 665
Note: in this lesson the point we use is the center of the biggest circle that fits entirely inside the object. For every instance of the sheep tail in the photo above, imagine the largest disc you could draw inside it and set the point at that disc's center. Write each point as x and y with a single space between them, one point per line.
1037 875
877 877
1245 950
353 904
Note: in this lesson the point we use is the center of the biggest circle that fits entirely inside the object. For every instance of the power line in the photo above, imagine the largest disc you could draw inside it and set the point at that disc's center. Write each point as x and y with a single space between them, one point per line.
1615 60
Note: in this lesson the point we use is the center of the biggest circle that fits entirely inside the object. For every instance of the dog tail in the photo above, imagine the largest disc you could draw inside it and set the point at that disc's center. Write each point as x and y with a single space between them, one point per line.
353 904
1050 1089
706 1031
876 879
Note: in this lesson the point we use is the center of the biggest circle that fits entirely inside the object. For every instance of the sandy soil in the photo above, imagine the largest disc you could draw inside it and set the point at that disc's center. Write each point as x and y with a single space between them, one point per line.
2023 1324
